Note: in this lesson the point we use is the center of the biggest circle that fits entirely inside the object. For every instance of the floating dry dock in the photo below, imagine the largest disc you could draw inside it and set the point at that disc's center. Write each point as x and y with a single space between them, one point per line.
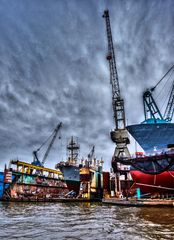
22 181
26 182
140 203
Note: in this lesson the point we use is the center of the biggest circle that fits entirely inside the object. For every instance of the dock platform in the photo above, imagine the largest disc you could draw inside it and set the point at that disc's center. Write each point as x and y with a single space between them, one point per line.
62 200
140 203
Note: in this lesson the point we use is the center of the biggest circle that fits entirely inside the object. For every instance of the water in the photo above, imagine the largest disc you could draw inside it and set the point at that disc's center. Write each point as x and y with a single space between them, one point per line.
83 221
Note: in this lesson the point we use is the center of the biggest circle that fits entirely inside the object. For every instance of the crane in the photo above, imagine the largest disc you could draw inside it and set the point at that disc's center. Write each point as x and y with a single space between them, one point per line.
36 160
91 154
119 135
151 110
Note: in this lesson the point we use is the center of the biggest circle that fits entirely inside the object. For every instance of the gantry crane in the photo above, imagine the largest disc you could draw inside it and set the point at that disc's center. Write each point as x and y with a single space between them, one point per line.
36 161
119 135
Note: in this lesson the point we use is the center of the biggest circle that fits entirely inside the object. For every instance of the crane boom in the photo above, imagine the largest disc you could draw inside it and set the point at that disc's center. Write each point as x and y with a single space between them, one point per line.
52 141
119 135
117 102
91 154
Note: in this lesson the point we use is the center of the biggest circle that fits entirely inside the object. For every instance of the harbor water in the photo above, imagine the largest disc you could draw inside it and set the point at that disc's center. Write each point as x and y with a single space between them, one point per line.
81 221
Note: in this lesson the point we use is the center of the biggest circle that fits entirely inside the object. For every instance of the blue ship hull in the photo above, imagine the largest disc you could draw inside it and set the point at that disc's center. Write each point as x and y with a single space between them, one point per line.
153 136
71 175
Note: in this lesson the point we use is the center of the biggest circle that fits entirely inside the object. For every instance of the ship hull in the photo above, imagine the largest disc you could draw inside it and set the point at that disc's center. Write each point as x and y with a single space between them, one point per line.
27 187
153 136
71 175
163 182
73 185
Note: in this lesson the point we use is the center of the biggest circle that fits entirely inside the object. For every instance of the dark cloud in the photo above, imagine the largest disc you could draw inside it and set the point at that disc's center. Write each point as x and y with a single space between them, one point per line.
53 68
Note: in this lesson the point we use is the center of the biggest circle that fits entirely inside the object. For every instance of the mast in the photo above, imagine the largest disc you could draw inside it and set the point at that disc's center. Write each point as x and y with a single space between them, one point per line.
73 151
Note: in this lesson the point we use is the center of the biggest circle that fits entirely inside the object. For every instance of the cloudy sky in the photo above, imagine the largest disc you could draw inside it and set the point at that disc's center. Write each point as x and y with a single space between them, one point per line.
53 68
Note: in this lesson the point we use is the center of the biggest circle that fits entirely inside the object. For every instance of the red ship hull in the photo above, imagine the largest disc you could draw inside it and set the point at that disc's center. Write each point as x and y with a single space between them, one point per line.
163 182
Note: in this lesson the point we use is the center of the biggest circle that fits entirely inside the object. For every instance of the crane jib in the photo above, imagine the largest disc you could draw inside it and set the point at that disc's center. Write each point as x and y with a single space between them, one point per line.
118 106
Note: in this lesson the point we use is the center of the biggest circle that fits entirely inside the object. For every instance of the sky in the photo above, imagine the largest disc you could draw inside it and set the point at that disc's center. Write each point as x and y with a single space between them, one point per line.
53 69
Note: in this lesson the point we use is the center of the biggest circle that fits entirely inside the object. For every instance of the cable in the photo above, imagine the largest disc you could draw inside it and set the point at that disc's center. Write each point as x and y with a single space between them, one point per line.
152 89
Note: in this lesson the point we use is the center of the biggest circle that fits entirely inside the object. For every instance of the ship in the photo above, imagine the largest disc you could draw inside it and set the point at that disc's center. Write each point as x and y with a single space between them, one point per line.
84 179
23 181
153 136
70 168
155 171
149 174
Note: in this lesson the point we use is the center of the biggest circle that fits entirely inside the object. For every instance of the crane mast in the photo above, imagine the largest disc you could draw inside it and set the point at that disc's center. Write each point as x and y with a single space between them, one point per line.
119 135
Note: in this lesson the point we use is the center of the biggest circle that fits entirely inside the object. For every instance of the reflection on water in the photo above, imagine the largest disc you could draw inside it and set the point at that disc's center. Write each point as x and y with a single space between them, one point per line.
79 221
157 215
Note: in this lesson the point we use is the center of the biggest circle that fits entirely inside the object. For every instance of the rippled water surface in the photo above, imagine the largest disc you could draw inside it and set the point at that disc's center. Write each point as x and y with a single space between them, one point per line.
84 221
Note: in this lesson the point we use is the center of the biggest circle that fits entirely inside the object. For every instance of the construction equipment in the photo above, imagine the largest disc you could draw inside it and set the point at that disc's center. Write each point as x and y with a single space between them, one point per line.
119 135
151 110
36 160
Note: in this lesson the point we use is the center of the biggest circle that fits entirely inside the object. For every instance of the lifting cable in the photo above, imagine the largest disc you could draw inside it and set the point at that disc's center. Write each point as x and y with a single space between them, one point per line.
163 98
167 96
45 141
152 89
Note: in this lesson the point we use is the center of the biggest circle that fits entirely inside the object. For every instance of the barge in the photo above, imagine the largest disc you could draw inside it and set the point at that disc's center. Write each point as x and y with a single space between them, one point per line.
23 181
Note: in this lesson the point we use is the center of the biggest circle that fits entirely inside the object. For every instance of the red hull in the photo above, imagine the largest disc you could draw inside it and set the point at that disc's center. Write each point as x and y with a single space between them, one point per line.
153 183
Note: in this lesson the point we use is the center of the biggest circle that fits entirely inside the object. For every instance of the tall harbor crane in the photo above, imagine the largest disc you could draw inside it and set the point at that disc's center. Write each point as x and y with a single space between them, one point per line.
53 136
151 110
119 135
